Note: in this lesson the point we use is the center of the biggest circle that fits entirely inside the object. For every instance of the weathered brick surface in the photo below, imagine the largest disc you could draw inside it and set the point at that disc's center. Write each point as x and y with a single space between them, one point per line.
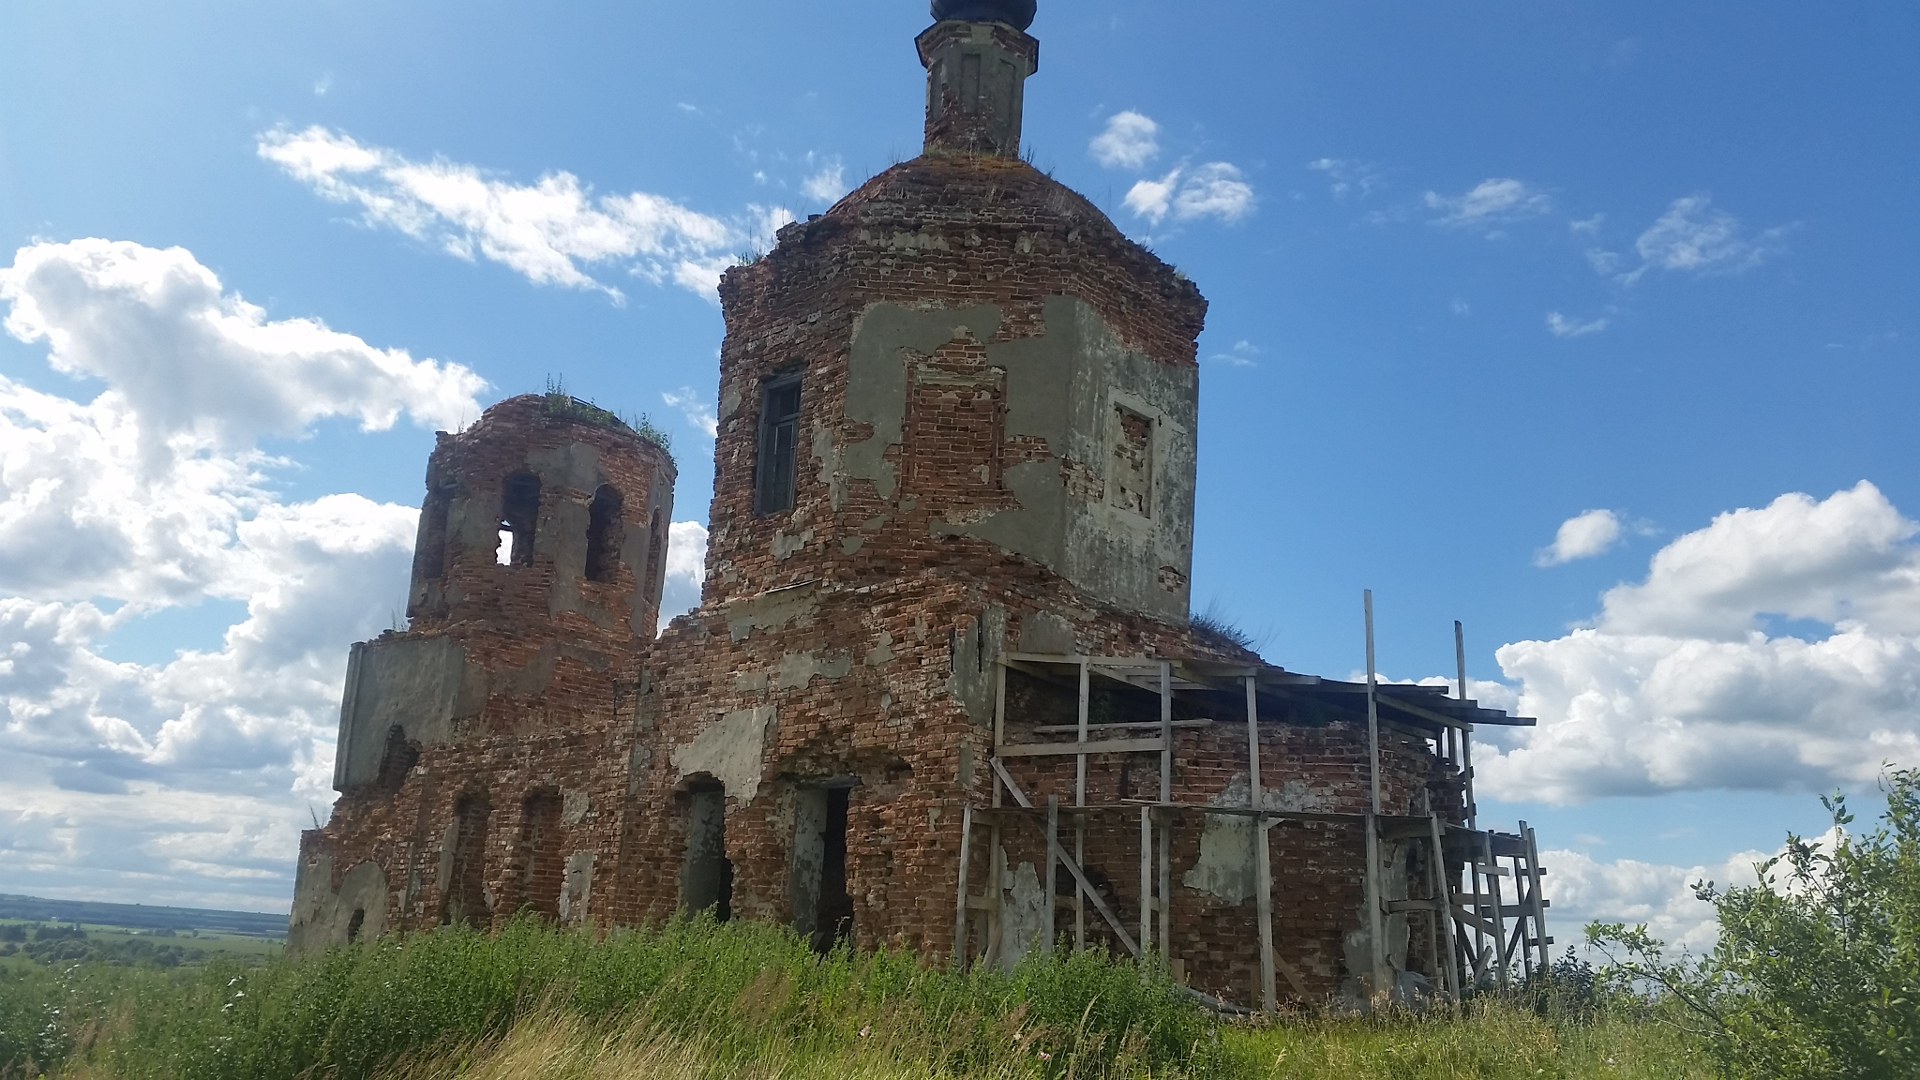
852 640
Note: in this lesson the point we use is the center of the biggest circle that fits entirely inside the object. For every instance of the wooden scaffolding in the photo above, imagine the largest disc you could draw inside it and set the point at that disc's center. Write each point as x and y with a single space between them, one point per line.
1477 934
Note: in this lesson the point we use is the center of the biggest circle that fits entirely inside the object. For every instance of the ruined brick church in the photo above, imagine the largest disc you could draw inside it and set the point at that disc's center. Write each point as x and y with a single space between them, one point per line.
942 689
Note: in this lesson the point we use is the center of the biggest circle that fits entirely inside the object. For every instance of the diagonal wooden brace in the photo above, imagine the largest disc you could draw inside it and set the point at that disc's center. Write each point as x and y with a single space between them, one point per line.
1079 876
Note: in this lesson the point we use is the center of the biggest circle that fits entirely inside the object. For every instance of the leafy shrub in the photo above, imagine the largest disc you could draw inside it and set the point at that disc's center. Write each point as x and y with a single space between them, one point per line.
1817 971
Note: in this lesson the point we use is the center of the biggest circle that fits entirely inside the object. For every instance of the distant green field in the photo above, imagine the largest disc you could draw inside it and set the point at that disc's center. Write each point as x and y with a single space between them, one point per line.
266 924
38 931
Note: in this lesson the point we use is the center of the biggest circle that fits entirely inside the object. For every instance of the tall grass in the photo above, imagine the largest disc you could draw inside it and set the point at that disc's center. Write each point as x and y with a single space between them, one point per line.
743 992
696 999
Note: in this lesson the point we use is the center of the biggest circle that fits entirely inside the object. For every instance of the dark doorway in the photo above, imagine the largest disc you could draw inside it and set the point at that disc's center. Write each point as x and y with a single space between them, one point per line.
463 894
836 907
706 877
540 869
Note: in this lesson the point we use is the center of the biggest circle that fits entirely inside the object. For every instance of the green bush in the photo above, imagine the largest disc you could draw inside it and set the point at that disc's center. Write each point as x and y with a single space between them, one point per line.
1817 971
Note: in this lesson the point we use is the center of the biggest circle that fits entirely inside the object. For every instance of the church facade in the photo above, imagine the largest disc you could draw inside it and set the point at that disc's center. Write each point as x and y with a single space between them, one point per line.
942 689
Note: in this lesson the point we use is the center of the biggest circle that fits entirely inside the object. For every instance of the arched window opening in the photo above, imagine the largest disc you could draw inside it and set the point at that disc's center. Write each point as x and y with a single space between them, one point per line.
542 874
519 508
604 534
463 897
396 760
706 876
656 554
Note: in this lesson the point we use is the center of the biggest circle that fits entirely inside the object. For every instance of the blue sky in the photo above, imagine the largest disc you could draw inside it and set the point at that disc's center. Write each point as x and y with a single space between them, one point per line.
1477 271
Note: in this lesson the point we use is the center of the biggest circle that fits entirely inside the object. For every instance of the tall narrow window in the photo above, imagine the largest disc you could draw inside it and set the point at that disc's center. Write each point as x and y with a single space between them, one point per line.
519 508
779 449
656 553
463 896
604 534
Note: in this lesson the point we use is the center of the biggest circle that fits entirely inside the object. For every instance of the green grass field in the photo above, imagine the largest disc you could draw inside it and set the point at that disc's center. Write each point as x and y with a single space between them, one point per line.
740 1000
25 942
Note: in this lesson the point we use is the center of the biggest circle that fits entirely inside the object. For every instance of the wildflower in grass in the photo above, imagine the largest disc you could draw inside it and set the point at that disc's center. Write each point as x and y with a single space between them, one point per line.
866 1031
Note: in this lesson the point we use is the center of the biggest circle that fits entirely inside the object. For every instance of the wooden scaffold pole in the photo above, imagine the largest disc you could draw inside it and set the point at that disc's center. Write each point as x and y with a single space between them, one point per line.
1376 931
1166 816
1262 857
1080 800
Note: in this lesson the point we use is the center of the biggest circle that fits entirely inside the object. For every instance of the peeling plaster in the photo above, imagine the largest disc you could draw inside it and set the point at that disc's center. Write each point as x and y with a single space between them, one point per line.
770 611
573 806
1224 867
796 670
1023 914
730 750
577 887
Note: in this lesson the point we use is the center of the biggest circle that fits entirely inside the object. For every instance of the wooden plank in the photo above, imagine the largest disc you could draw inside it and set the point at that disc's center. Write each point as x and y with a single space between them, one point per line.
1129 725
1498 929
999 700
1443 919
1375 927
1375 930
1428 715
1075 658
996 887
1053 841
960 905
1165 907
1080 799
1539 901
1293 976
1146 880
1472 919
1262 859
1095 746
1019 796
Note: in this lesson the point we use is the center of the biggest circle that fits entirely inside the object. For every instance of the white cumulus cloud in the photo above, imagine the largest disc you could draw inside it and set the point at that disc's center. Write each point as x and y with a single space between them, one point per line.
1660 895
547 231
1581 537
185 779
137 494
1490 204
190 357
1775 649
1130 140
1217 190
686 568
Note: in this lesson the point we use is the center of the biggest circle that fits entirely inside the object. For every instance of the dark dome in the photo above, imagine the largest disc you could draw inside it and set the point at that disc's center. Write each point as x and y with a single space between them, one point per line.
1016 13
